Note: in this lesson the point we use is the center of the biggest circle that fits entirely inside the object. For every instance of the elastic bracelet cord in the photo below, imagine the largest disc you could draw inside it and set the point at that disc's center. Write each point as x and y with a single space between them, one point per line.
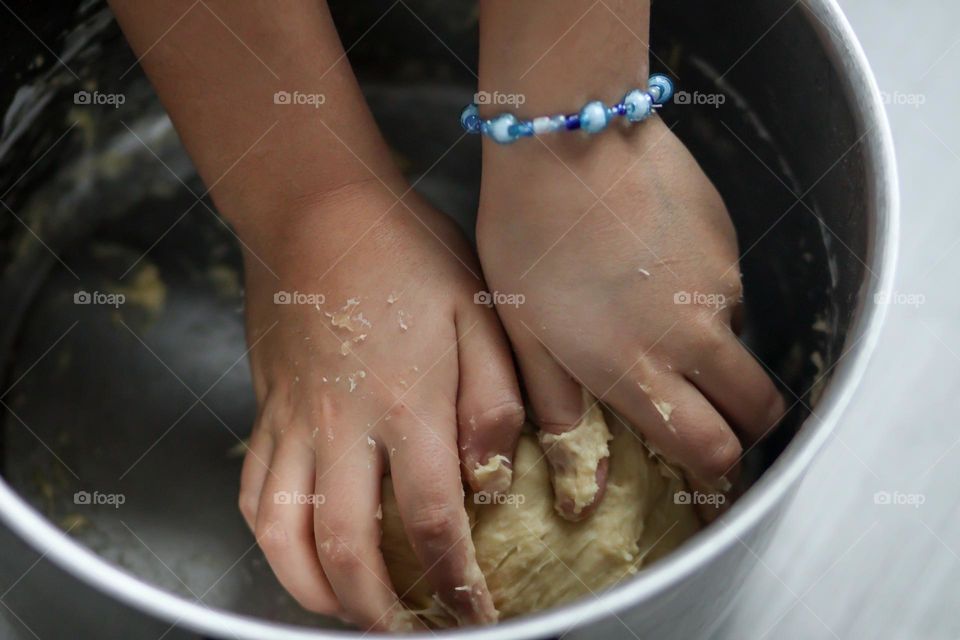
636 106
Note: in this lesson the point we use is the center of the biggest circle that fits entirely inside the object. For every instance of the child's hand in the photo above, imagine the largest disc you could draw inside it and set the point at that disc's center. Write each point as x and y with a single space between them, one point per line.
371 382
627 260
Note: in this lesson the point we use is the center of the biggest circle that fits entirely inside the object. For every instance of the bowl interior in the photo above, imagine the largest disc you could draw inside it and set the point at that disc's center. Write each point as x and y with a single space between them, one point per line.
150 400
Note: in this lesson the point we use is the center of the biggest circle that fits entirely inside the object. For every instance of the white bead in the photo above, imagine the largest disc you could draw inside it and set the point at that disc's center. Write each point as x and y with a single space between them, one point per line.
593 117
639 105
542 125
499 128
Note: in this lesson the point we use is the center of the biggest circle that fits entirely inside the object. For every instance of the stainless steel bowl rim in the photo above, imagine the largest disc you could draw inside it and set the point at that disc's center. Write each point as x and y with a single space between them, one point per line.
841 44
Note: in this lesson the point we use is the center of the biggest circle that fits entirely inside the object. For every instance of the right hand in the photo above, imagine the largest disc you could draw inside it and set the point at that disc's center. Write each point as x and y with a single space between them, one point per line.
628 263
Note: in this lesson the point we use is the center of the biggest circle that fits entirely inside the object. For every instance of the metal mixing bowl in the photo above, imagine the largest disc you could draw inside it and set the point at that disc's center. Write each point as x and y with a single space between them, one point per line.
148 401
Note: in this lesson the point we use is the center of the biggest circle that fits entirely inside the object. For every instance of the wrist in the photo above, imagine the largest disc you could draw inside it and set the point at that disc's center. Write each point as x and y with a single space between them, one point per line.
559 60
573 165
325 218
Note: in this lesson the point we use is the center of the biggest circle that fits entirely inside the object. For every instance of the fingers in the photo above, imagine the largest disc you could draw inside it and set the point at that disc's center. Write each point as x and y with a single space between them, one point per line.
425 470
490 413
256 467
284 527
565 414
740 388
677 421
711 503
347 529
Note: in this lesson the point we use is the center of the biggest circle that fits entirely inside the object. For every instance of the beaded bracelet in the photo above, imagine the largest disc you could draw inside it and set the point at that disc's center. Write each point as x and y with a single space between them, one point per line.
637 106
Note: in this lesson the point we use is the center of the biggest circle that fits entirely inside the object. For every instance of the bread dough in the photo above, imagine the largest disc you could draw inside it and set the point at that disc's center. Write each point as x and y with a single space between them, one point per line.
574 456
496 474
531 557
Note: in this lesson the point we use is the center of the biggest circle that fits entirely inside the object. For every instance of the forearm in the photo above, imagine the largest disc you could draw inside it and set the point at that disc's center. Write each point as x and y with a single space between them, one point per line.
561 54
555 61
217 67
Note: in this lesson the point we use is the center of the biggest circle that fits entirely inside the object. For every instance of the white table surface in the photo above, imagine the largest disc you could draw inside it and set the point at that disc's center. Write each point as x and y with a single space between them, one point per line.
844 566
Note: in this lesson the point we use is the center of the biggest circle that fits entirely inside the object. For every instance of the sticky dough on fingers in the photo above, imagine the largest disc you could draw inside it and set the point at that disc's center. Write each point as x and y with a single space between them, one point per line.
532 558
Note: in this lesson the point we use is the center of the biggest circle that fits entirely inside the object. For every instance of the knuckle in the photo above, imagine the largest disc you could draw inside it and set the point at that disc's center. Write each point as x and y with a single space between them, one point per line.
734 288
711 335
272 536
508 414
336 552
277 409
434 525
248 502
396 418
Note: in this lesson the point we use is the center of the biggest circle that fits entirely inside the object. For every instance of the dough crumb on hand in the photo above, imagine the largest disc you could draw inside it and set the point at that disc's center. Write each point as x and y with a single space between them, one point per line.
575 456
496 475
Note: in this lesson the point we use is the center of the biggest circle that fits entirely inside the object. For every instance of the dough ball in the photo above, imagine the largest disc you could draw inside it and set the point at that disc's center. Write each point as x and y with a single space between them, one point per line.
532 558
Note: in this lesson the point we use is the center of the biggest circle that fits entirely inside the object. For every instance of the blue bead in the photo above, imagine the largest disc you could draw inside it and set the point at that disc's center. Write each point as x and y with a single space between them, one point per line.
470 119
521 130
502 128
638 105
572 122
660 88
593 117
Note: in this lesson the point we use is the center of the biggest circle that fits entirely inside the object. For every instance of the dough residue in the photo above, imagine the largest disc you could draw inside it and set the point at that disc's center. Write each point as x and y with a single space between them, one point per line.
575 455
496 475
534 559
